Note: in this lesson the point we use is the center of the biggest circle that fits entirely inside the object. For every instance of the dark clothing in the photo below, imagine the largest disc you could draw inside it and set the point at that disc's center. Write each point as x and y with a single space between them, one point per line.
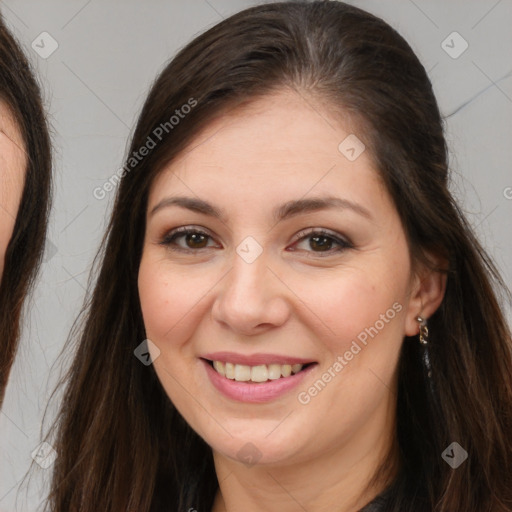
378 504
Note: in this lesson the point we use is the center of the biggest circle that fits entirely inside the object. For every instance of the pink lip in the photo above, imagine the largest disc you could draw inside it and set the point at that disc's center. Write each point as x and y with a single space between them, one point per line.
252 392
254 359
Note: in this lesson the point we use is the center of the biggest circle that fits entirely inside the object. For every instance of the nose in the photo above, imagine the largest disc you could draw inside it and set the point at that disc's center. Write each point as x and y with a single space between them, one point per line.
251 298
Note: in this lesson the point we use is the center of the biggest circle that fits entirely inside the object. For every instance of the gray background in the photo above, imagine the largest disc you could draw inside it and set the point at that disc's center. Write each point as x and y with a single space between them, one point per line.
94 84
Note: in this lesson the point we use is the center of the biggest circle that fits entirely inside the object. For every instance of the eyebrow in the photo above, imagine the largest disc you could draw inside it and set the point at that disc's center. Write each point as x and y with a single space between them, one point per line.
285 211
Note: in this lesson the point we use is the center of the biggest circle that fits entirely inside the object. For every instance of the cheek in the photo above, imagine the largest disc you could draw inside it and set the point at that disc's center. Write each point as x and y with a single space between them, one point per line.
355 302
172 300
163 298
362 311
363 314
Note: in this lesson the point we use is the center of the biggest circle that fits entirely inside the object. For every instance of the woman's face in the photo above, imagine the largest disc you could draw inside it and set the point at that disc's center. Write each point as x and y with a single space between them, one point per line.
12 177
295 256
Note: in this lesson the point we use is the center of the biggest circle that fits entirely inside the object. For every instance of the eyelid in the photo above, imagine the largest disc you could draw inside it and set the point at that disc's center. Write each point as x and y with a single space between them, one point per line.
165 240
341 241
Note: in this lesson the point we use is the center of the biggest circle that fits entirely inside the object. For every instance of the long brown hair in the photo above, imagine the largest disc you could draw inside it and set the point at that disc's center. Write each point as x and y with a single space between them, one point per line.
20 92
121 443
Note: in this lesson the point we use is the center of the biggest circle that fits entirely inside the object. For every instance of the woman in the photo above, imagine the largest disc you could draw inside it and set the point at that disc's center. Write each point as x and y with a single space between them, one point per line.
25 166
284 250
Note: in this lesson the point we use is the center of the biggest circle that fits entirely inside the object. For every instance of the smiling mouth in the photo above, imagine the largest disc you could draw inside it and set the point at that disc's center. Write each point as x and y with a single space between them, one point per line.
257 374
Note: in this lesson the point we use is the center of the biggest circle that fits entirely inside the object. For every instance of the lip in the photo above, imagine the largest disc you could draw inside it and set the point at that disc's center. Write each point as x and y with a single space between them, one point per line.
254 359
251 392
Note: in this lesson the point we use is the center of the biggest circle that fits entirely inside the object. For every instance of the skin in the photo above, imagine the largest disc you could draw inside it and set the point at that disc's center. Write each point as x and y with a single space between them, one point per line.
301 302
12 177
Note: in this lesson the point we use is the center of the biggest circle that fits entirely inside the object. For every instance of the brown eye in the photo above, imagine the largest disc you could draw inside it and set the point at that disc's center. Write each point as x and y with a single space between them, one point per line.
186 239
321 242
196 240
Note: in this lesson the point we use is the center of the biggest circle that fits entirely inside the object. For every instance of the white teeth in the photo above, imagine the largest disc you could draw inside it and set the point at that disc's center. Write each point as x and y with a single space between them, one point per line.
230 370
219 367
286 370
296 368
242 372
259 373
274 371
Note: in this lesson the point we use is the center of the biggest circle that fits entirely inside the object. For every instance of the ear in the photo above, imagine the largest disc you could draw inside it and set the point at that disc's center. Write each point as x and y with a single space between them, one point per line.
427 292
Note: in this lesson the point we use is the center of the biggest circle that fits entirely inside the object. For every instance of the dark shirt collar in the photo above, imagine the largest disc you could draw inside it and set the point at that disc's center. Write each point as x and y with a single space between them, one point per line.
378 504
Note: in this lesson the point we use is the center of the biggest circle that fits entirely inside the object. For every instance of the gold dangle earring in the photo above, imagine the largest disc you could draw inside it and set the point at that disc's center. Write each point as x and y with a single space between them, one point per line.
423 330
425 353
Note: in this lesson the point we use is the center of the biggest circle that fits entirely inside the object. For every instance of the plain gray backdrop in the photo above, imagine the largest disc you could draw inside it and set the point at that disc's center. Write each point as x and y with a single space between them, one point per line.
96 60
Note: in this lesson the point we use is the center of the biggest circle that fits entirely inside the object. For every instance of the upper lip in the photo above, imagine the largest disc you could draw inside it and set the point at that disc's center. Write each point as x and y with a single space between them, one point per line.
255 359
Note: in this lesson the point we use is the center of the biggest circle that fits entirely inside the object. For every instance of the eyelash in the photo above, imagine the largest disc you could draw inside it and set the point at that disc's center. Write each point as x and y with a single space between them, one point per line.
343 244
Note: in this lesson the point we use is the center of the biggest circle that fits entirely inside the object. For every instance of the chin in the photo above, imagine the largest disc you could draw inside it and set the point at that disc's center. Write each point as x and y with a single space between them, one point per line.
257 448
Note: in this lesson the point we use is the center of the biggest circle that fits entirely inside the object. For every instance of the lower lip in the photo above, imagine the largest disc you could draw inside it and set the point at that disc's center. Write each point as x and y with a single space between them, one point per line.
255 392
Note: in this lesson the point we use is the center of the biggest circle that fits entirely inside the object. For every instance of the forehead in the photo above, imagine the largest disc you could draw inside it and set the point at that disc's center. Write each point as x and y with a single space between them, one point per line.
282 143
284 122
